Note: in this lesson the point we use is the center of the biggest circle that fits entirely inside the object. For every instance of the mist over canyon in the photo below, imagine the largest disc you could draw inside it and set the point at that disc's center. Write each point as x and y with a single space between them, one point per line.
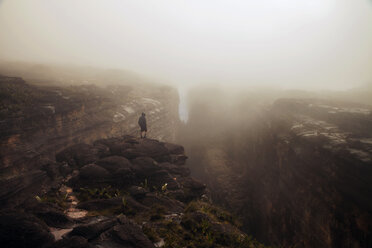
292 166
295 166
186 124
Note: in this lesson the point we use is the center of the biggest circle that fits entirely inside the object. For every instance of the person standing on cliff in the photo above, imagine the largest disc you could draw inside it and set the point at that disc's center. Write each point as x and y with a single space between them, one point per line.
142 123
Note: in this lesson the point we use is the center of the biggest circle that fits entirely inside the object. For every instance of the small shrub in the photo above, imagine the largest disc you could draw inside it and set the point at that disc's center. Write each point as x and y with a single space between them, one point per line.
98 193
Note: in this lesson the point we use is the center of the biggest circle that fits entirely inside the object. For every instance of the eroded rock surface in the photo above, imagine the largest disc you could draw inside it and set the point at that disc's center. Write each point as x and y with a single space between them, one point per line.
36 122
299 173
142 198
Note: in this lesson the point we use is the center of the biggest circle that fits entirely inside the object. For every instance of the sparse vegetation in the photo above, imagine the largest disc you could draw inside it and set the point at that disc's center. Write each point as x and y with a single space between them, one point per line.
202 225
98 193
54 197
145 184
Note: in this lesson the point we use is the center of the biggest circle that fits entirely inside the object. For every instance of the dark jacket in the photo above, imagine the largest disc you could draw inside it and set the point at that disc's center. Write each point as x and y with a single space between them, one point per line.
142 123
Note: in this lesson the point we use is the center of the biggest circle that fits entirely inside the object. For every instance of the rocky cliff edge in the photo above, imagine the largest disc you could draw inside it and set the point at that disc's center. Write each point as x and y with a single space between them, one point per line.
118 192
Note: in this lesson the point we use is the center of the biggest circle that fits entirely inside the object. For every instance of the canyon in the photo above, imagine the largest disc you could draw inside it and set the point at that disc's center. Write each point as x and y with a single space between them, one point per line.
296 171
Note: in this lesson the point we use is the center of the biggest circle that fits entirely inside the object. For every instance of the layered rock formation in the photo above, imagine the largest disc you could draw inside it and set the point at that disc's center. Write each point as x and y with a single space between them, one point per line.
318 187
38 121
298 173
121 192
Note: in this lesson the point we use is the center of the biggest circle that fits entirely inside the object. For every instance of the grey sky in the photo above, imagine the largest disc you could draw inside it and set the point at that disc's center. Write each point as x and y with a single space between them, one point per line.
286 43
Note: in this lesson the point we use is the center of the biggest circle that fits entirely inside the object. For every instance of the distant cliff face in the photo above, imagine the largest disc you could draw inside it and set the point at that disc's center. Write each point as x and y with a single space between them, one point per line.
298 173
38 121
313 187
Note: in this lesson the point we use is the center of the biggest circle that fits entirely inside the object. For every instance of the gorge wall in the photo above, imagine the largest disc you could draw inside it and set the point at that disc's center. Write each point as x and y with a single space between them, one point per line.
297 171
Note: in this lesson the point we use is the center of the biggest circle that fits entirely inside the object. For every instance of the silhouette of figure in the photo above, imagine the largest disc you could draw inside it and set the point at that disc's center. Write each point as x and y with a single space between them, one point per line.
142 123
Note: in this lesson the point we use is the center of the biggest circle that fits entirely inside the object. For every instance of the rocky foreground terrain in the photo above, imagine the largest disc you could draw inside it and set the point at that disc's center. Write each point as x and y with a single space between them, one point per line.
36 122
299 173
71 176
118 192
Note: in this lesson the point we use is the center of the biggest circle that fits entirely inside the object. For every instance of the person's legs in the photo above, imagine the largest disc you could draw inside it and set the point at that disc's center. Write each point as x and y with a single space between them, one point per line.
143 132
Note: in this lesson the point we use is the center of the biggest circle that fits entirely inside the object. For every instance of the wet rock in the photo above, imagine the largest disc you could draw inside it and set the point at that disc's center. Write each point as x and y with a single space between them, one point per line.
126 234
93 173
114 163
21 230
93 230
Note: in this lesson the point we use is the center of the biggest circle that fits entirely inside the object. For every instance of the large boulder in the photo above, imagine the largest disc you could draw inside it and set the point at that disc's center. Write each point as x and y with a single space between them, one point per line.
93 230
116 145
145 166
132 148
125 234
114 163
22 230
122 178
90 175
93 173
176 170
82 154
178 159
51 214
147 147
174 148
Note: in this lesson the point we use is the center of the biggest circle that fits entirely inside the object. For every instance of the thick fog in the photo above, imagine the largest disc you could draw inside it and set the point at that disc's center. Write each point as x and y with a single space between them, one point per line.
286 43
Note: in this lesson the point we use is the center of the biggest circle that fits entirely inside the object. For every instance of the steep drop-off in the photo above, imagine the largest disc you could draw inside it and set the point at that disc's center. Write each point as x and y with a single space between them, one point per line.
121 192
71 176
298 172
